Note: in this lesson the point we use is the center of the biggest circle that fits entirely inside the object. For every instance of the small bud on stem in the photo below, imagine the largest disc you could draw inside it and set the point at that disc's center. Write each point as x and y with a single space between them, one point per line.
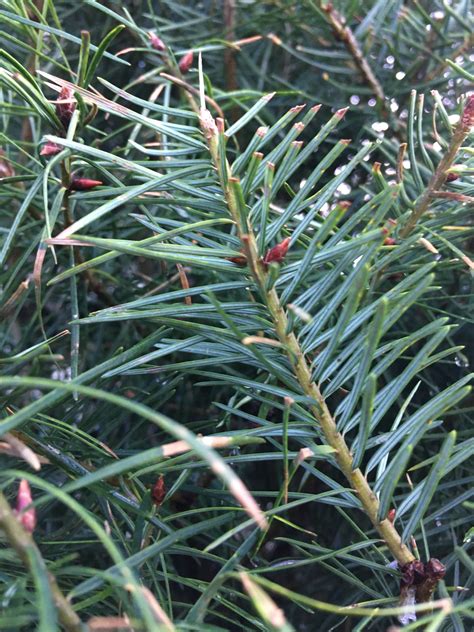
65 106
277 253
27 518
158 492
83 184
186 62
156 42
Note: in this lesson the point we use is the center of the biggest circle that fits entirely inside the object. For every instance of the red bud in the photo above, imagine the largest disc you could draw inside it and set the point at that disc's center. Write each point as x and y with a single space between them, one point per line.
83 184
278 252
391 515
451 177
66 106
156 42
389 241
50 149
186 62
27 518
158 492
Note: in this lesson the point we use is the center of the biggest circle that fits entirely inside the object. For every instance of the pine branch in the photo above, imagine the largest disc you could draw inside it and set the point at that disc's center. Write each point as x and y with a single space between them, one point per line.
441 173
295 354
345 34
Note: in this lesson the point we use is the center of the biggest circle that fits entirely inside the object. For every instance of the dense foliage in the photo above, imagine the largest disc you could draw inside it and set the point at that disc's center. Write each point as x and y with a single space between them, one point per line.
235 290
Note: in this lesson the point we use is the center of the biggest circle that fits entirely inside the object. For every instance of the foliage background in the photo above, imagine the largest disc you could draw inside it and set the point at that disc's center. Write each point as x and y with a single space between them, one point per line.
207 384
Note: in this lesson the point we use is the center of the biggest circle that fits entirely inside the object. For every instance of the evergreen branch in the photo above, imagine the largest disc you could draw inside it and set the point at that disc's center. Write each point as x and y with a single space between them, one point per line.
345 34
22 542
441 173
301 369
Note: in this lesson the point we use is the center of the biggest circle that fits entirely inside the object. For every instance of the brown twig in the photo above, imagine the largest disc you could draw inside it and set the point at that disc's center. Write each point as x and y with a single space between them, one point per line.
441 173
22 542
463 48
14 299
184 282
345 34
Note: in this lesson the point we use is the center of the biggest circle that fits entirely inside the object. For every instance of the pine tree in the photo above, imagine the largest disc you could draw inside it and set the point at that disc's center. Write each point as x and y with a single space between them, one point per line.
235 287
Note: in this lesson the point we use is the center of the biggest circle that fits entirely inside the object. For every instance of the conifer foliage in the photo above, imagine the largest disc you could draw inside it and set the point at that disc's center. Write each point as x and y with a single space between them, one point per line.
235 283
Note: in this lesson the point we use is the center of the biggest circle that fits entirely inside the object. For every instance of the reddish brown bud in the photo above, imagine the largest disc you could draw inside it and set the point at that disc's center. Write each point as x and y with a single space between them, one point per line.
391 515
158 492
83 184
451 177
240 261
278 252
50 149
28 517
65 106
467 120
186 62
389 241
156 42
